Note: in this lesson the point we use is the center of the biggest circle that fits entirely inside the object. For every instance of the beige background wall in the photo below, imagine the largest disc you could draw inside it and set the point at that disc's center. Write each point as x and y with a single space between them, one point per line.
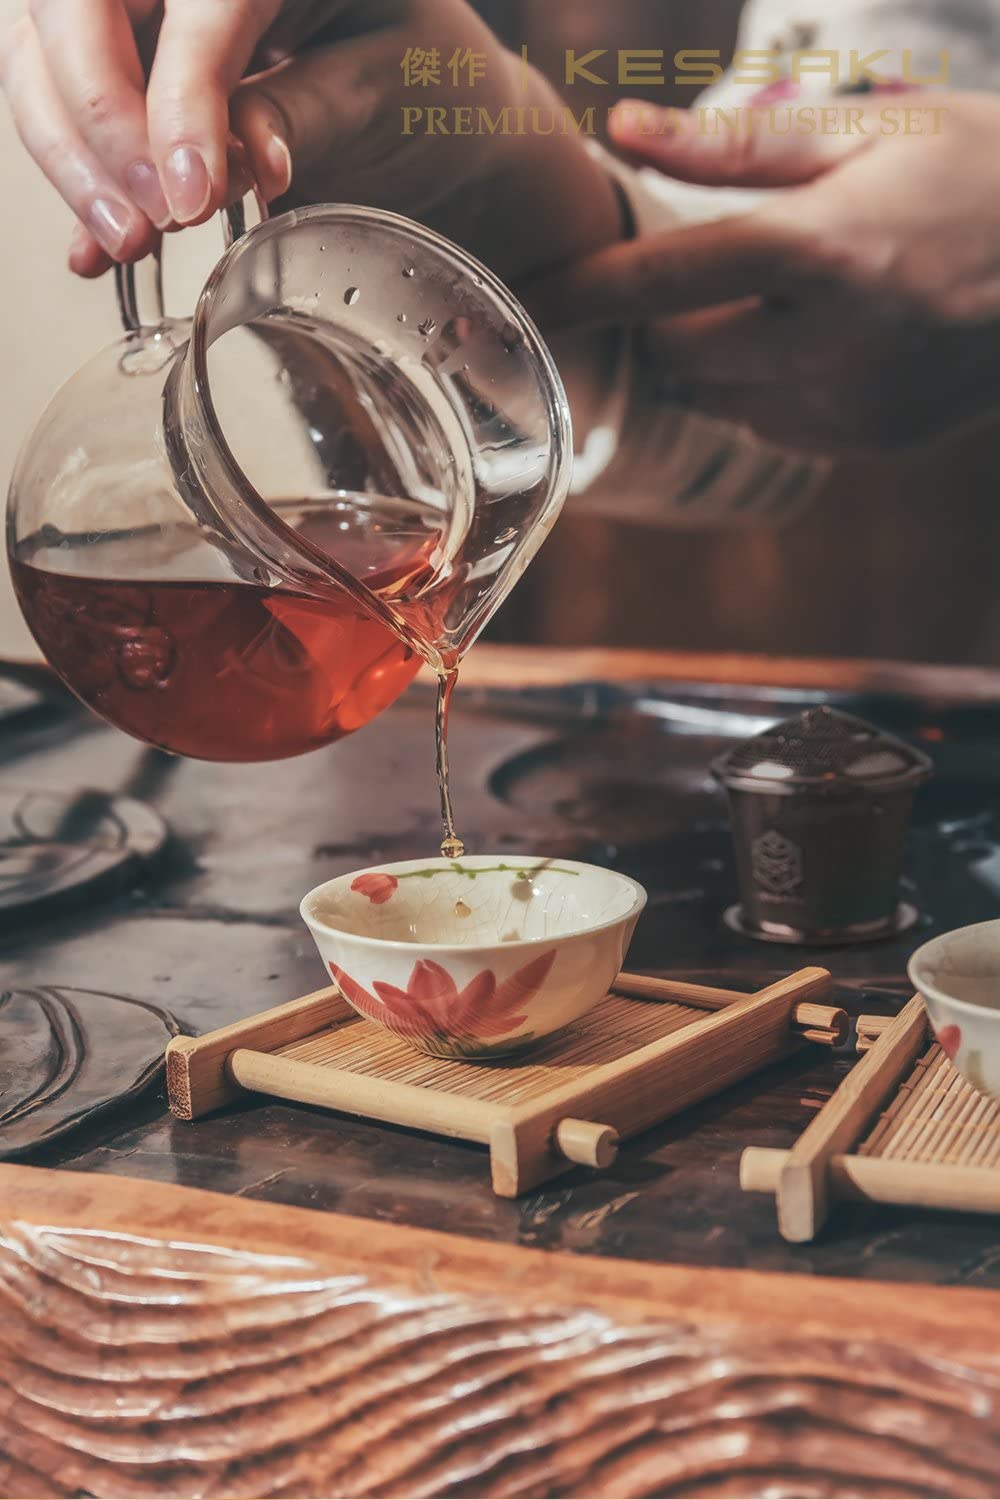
50 321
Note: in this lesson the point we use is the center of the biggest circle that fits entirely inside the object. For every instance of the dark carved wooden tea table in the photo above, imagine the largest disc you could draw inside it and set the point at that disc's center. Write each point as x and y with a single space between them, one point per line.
281 1301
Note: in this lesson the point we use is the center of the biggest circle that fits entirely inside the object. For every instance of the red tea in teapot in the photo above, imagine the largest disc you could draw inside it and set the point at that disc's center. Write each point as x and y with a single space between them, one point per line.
223 669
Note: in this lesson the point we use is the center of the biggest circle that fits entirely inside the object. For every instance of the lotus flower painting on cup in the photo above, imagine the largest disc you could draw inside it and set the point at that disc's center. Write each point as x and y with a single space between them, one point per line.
432 1013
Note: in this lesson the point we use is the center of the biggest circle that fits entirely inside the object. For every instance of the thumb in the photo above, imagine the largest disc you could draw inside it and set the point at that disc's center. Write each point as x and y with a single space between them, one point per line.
739 147
290 119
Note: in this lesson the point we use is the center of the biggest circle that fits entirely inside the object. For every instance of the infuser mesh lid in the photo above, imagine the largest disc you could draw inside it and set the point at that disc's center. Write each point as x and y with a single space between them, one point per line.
822 750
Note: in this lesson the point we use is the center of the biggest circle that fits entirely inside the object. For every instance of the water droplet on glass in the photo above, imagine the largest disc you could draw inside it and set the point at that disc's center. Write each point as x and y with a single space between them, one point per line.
351 295
409 272
511 337
477 281
400 317
465 368
322 247
427 327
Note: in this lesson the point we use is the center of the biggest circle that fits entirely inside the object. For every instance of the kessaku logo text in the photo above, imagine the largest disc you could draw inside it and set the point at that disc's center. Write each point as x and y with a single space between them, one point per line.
652 67
430 71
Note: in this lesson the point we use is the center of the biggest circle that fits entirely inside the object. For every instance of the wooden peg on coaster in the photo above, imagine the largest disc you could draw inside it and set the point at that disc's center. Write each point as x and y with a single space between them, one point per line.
828 1025
587 1144
870 1028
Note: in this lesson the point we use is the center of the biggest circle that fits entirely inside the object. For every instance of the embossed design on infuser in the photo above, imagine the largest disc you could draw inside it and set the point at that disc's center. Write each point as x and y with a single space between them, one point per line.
777 865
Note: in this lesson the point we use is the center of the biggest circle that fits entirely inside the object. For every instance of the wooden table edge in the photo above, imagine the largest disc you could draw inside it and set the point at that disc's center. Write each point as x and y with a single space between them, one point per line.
948 1321
547 666
500 666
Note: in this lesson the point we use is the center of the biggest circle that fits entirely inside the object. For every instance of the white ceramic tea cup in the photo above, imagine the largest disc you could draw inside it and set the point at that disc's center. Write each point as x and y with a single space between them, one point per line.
958 977
477 957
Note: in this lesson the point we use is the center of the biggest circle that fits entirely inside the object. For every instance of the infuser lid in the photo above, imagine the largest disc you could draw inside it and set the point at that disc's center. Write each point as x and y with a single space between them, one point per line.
820 751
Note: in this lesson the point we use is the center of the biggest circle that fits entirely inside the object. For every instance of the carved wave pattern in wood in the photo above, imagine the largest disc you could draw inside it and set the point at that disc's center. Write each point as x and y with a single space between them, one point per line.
68 1055
137 1367
57 847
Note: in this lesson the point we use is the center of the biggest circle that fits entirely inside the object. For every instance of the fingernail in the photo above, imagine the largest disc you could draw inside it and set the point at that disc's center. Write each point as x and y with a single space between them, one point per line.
279 160
143 182
186 183
109 223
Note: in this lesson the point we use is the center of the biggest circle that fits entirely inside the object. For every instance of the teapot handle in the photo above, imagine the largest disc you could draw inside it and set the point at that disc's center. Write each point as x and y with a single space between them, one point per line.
234 226
125 291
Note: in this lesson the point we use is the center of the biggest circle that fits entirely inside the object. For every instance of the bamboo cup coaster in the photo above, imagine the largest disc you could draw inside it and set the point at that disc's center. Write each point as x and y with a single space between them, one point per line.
904 1127
651 1049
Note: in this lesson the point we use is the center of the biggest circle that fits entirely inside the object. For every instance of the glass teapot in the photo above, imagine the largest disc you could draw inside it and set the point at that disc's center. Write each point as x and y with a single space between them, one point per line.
238 536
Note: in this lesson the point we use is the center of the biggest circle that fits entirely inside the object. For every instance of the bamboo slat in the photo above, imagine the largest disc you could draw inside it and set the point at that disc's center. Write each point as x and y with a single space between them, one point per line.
941 1121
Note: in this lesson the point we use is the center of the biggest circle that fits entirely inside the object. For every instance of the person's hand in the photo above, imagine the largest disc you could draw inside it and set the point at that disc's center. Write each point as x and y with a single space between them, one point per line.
857 307
130 160
129 107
